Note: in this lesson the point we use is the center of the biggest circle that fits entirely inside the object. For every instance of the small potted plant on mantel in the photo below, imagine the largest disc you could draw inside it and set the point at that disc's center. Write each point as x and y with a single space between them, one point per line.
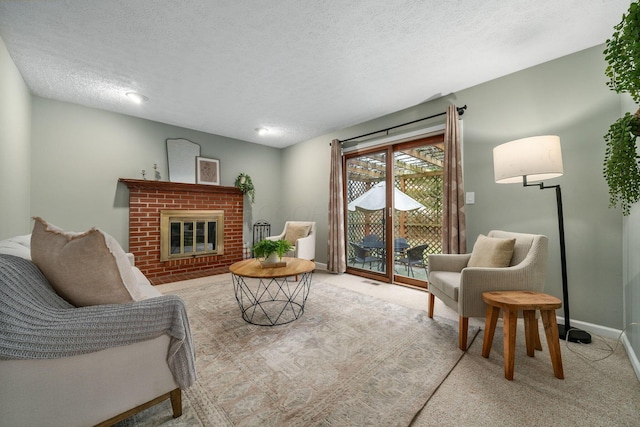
270 252
244 183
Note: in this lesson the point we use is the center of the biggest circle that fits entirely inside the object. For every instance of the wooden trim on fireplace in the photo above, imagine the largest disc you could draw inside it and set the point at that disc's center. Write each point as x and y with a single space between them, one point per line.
177 186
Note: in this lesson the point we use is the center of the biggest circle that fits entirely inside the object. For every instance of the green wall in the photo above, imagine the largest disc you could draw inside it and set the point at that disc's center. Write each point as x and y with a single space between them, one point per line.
15 149
567 97
79 153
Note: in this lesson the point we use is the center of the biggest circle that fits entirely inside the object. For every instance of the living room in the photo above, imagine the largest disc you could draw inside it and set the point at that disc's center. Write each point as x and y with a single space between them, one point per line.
62 161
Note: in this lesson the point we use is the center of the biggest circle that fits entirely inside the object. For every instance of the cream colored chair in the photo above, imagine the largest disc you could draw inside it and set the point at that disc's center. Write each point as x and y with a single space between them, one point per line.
302 235
460 286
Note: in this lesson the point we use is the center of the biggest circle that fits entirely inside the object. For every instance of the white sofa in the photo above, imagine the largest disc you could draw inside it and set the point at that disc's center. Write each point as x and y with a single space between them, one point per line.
98 387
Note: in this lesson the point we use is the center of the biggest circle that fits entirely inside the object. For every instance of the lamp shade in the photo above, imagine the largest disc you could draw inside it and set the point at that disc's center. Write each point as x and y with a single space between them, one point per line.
538 158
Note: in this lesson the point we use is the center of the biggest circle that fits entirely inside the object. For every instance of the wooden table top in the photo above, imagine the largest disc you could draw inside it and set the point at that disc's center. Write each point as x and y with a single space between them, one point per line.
252 268
521 300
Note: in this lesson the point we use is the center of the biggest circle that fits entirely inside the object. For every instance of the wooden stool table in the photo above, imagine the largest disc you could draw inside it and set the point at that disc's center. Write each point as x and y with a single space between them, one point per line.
527 301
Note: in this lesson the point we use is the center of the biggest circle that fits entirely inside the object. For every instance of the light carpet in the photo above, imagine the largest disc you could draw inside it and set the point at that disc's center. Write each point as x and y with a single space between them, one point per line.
351 359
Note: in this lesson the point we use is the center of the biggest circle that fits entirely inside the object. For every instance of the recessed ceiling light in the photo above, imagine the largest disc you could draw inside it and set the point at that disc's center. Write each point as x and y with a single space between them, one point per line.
262 131
136 97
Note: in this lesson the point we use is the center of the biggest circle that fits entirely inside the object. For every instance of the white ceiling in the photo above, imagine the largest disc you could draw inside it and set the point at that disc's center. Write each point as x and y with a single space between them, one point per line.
301 68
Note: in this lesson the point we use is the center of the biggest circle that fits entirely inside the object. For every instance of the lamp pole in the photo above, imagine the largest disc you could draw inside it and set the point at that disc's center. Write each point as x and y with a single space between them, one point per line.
565 331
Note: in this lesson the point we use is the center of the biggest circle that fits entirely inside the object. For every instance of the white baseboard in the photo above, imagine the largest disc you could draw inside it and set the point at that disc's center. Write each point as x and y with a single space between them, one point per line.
632 355
606 332
603 331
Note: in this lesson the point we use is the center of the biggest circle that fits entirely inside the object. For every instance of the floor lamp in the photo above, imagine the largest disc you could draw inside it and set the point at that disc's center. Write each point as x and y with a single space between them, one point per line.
536 159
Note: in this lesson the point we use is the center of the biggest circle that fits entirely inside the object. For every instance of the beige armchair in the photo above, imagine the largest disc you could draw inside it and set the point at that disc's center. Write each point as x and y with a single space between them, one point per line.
460 287
302 235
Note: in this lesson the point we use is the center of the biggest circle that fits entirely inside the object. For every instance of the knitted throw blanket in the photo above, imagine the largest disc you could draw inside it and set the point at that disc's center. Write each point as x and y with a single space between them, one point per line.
36 323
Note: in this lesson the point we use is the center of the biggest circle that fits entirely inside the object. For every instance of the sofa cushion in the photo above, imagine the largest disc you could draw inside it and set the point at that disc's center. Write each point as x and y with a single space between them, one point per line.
491 252
18 246
86 268
295 232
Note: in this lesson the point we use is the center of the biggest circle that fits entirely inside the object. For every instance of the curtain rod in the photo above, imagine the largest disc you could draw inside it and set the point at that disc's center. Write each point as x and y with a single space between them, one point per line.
460 112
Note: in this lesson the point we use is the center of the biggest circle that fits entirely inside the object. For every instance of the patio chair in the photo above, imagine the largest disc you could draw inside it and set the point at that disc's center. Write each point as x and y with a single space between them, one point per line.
415 256
363 256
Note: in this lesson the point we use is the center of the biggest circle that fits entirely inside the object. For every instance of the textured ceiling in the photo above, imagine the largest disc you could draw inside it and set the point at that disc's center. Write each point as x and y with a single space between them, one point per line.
299 68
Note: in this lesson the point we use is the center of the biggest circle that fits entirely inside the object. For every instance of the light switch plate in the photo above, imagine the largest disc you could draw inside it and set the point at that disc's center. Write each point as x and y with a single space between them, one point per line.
470 198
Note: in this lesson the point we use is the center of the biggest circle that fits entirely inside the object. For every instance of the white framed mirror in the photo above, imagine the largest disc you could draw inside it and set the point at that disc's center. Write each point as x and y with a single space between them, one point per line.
181 156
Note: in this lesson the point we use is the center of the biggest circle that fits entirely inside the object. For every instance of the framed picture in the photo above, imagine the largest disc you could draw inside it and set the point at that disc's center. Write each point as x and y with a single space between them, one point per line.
207 171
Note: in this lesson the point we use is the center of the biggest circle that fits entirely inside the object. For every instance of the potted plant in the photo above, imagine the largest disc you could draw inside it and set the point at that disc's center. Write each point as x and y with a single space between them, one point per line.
621 168
244 183
271 250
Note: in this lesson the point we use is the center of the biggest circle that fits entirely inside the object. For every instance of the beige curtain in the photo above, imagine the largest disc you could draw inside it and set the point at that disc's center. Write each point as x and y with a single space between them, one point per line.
454 230
337 260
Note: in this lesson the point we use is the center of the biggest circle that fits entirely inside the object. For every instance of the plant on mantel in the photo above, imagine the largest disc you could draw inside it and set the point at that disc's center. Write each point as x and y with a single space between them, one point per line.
244 183
621 169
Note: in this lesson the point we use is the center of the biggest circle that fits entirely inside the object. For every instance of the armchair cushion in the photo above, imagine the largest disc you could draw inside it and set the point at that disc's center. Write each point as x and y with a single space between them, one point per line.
84 268
295 232
491 252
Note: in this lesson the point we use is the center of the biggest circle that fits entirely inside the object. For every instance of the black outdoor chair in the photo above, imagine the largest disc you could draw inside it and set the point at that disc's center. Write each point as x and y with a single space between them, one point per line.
363 256
415 256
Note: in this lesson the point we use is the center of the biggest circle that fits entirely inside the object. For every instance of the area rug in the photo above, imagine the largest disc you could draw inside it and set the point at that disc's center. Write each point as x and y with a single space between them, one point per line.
351 359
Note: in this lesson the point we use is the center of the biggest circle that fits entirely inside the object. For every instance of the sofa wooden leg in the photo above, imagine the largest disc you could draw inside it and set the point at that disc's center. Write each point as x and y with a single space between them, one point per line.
463 330
432 300
176 402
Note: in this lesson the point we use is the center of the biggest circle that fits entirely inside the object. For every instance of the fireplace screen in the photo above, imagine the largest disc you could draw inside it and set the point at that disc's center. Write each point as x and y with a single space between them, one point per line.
189 233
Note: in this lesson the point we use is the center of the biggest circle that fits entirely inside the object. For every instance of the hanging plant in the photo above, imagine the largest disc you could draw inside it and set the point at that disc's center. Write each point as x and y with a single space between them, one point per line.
622 54
244 183
621 163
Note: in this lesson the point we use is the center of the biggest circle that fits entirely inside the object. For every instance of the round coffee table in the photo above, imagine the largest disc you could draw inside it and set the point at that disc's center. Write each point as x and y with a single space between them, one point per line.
270 296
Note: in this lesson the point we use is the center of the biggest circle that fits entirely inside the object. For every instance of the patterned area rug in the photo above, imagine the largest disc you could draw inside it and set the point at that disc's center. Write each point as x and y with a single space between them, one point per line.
351 359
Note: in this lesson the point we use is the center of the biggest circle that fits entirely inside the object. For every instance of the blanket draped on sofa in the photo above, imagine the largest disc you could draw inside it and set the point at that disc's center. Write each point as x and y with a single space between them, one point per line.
36 323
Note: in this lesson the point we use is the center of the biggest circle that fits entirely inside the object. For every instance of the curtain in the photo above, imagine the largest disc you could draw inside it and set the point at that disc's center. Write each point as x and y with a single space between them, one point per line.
337 260
454 239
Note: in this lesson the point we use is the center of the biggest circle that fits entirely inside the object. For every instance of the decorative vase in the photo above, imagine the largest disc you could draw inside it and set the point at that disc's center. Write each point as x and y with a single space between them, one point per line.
272 258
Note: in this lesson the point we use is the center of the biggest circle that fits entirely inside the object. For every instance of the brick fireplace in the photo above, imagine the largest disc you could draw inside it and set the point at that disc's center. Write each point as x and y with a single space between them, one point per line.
147 199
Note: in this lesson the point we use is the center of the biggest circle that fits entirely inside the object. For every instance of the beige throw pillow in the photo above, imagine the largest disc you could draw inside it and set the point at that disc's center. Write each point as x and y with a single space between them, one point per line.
295 232
84 268
491 252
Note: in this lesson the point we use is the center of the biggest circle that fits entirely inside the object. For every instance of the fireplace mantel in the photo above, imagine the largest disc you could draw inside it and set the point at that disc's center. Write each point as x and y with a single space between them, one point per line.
148 198
177 186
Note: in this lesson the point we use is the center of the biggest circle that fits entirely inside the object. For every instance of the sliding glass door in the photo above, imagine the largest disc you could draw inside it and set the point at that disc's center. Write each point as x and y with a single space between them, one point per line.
394 210
367 202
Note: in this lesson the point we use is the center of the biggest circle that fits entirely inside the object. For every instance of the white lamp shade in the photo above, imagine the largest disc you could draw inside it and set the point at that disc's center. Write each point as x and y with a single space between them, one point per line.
538 158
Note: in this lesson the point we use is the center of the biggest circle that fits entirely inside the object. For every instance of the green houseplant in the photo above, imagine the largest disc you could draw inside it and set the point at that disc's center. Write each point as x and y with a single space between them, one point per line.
265 248
244 183
621 169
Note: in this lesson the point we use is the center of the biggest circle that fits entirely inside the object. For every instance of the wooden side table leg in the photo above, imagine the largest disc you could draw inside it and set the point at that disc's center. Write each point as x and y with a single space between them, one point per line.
432 300
538 343
553 341
489 329
530 331
510 318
